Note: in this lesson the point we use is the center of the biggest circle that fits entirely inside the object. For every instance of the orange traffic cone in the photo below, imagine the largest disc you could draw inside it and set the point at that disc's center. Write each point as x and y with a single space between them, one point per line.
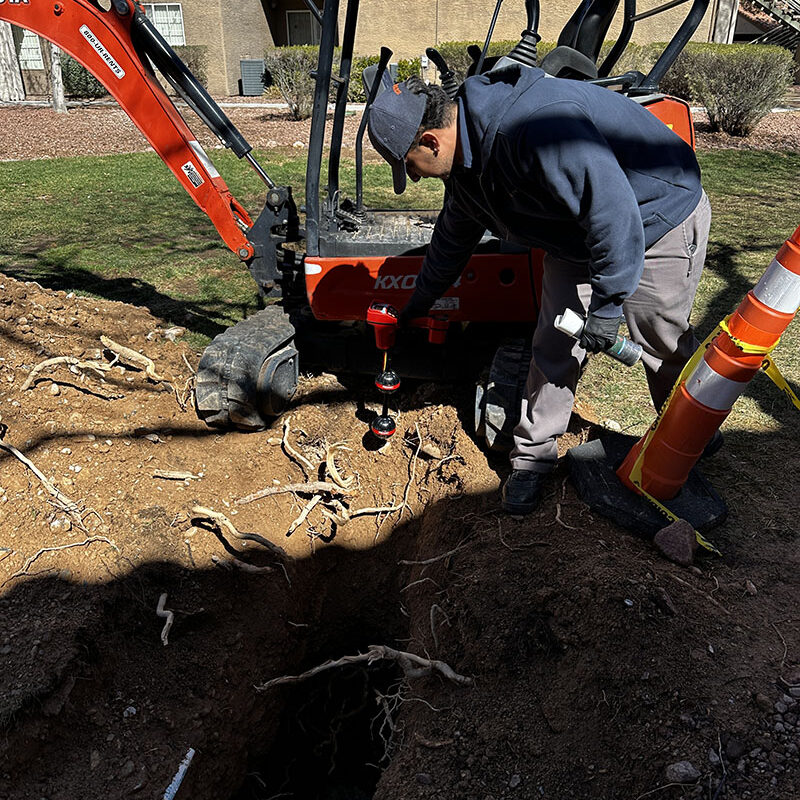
659 463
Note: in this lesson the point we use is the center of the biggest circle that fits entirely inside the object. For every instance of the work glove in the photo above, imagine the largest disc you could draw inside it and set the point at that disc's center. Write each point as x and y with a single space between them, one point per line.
599 333
416 307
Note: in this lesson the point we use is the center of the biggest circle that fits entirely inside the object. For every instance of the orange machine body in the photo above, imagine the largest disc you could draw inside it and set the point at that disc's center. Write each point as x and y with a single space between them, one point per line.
493 286
674 113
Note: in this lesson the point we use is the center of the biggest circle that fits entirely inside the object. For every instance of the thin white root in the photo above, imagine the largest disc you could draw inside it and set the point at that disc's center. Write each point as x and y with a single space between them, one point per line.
175 475
433 560
97 366
306 465
228 563
310 487
307 509
337 513
434 609
561 521
188 365
330 465
413 666
411 475
27 565
218 517
64 503
134 358
169 616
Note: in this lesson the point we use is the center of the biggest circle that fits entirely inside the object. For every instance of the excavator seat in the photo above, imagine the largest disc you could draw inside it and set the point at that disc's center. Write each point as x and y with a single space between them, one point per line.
580 41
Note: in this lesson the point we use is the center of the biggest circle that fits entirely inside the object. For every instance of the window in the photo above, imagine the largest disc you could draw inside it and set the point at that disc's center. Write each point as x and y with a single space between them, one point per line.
302 28
168 19
30 51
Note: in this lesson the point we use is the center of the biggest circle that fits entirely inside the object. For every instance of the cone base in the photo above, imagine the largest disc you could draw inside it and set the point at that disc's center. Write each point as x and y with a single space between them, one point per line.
592 467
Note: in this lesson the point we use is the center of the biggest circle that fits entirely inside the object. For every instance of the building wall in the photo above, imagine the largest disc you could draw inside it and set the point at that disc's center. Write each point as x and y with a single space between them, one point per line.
409 26
246 35
231 31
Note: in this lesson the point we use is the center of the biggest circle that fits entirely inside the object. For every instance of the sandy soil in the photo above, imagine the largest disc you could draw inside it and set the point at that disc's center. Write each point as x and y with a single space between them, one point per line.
595 666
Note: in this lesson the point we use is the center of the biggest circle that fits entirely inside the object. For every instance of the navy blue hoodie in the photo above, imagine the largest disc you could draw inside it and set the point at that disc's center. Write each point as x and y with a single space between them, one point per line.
580 171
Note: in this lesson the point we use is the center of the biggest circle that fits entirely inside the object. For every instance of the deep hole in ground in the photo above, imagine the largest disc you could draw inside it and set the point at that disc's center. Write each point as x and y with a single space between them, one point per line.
334 740
333 733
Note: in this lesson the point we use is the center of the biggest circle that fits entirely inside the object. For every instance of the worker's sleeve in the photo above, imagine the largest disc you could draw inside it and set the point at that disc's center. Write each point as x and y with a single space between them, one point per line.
562 153
455 237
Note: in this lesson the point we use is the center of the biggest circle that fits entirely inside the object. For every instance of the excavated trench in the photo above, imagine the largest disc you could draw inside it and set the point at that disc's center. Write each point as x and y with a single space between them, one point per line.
93 702
332 734
334 738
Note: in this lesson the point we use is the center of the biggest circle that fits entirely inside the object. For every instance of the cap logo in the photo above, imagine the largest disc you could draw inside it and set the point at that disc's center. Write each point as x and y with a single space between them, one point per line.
396 89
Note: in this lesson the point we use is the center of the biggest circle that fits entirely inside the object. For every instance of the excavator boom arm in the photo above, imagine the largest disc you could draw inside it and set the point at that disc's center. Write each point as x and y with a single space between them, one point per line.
118 47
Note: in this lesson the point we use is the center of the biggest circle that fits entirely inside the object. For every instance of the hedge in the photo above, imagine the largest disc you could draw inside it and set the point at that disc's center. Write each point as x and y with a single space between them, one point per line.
195 56
289 69
738 84
78 81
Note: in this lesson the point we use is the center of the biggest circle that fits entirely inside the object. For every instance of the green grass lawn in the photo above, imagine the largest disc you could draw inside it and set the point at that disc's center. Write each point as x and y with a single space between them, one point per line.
120 227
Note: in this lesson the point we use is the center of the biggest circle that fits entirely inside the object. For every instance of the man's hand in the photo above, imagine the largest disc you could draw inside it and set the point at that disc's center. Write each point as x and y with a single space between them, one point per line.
599 333
413 309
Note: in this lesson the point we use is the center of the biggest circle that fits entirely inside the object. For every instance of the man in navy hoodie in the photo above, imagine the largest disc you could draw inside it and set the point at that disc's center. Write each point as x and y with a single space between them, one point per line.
610 194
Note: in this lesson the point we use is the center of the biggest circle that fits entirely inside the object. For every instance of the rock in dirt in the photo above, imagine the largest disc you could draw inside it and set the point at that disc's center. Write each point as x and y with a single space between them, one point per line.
681 772
677 542
664 602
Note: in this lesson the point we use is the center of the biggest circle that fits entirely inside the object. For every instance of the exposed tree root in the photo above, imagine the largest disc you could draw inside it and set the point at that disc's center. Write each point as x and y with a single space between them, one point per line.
132 357
97 366
413 666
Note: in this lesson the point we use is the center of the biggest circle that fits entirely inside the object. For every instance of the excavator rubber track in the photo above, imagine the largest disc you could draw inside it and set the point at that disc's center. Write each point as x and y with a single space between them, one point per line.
249 373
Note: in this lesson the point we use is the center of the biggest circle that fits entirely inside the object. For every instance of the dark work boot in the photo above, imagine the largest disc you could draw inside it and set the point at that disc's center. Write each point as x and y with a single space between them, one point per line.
522 491
713 446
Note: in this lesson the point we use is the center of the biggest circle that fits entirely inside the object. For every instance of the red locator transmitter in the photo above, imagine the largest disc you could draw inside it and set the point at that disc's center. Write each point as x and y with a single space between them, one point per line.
383 318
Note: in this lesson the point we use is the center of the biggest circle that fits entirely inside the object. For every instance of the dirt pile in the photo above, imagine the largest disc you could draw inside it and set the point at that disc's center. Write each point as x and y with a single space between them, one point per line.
597 667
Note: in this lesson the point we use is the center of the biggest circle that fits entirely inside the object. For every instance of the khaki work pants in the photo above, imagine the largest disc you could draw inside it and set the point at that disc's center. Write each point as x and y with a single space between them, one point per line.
657 314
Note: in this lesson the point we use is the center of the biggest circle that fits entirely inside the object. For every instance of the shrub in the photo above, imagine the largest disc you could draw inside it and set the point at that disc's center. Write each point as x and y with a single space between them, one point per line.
634 57
737 83
289 68
407 67
195 56
458 59
78 81
355 91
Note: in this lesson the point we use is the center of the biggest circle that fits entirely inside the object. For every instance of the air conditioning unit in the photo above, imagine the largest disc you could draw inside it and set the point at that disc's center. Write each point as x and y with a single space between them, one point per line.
251 70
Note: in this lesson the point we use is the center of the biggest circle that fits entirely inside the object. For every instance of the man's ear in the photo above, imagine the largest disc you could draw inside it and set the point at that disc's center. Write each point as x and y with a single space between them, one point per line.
431 141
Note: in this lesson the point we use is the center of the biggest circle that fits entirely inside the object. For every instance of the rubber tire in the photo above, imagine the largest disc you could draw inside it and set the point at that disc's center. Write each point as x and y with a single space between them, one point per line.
504 388
227 386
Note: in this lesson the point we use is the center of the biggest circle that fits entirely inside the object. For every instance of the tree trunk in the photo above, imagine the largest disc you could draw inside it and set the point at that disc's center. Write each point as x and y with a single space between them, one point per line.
56 81
11 87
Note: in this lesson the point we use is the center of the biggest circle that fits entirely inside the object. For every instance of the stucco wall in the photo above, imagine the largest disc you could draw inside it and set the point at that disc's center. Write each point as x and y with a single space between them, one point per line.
246 35
409 26
231 31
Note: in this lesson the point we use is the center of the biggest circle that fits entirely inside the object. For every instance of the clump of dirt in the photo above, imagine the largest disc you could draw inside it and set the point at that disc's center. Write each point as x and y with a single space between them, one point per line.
597 668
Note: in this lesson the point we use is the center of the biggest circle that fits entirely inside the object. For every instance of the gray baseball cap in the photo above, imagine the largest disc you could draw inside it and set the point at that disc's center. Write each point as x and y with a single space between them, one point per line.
393 121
